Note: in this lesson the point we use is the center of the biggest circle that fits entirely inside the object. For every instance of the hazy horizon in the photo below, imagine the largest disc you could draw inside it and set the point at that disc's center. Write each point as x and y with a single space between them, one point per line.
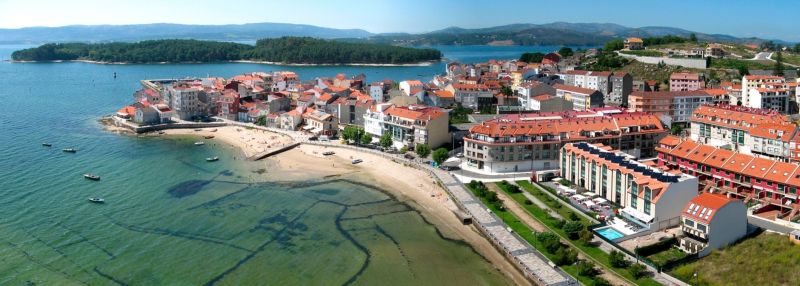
413 16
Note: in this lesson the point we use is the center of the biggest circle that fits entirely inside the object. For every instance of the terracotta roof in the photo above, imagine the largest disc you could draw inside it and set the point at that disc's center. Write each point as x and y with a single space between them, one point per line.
634 40
574 89
444 94
574 124
684 76
702 208
415 112
670 140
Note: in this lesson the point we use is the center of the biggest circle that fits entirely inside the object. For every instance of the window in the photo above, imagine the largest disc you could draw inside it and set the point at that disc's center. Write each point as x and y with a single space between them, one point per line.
701 227
688 222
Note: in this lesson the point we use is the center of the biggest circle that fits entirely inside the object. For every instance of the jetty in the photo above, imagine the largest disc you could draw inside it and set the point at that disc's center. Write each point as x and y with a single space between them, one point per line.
274 151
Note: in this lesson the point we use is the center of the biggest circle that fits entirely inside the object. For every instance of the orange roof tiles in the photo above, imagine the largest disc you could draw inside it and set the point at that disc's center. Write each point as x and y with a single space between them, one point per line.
703 207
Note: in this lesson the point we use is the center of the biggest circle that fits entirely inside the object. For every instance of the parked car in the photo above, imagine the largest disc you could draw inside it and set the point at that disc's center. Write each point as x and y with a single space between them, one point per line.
450 168
408 156
313 138
356 161
459 155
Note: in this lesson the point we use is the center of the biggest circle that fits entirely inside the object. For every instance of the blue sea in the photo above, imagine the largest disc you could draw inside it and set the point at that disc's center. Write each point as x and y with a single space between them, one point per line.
173 219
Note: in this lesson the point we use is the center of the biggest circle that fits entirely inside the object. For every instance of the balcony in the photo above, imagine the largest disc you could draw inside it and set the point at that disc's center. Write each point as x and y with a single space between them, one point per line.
691 245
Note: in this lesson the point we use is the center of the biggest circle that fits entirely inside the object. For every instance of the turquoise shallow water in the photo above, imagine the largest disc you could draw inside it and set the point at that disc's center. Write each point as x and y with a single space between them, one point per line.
174 219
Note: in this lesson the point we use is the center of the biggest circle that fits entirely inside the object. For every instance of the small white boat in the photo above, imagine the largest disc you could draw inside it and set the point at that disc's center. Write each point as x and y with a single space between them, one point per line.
212 159
328 153
97 200
92 177
69 150
199 143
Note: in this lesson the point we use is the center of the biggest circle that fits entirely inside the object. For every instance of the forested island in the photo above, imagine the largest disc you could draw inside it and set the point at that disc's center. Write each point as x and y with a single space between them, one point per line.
289 50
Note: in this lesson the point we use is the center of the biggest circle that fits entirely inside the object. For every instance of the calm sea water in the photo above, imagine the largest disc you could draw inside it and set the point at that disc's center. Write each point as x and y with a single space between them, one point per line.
174 219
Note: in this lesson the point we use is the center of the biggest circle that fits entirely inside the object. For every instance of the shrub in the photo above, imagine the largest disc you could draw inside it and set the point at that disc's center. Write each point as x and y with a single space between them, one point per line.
422 150
403 150
573 216
617 259
573 229
559 223
586 237
492 197
549 240
565 256
499 205
565 182
599 281
586 268
637 271
528 202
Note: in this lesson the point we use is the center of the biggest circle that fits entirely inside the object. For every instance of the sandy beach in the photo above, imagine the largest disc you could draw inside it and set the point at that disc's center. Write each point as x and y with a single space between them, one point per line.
409 185
250 141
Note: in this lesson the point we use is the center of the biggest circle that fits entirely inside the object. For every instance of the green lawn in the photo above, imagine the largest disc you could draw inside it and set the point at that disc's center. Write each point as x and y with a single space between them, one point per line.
564 211
664 257
644 53
767 259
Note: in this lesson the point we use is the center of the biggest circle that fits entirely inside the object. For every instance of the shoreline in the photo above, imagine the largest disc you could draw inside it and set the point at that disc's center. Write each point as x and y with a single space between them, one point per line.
417 64
407 184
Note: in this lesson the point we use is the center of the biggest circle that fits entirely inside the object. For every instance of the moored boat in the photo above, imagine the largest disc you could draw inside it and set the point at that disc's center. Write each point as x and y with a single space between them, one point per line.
69 150
212 159
92 177
209 136
97 200
199 143
47 145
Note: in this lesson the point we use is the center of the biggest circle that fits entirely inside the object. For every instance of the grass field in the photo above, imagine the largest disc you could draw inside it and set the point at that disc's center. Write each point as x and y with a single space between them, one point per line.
643 53
664 257
767 259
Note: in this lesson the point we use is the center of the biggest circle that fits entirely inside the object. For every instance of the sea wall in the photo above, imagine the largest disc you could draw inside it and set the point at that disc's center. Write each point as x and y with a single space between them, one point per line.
684 62
120 122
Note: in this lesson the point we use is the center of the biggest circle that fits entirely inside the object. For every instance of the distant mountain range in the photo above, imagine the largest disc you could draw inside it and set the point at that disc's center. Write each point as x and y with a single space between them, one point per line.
128 33
557 33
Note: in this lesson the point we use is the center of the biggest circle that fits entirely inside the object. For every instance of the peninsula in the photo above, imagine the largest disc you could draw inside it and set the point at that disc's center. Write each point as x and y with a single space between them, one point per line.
286 50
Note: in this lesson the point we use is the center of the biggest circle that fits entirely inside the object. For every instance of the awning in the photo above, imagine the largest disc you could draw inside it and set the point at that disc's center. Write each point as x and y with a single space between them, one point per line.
308 127
589 204
635 214
316 130
600 200
589 194
578 197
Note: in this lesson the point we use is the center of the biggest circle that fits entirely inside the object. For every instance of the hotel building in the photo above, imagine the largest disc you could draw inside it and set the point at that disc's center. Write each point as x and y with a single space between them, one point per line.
525 142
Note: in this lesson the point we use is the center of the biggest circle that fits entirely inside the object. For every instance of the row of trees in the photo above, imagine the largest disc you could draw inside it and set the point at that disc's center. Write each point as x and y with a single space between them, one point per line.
286 49
141 52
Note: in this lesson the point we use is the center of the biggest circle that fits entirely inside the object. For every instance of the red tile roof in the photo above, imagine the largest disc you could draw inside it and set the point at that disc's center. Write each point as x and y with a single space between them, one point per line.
702 208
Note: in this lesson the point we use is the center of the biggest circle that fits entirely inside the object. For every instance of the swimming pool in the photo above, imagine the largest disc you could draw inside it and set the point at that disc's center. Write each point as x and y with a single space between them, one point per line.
610 233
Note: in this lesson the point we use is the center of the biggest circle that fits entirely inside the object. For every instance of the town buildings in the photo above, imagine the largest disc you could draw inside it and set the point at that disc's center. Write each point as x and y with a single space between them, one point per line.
766 91
686 81
409 125
581 98
525 142
615 86
712 221
474 96
671 106
771 183
647 196
752 131
633 44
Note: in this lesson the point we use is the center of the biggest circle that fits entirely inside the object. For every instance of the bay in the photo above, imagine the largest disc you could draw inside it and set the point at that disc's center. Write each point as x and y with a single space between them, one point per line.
174 219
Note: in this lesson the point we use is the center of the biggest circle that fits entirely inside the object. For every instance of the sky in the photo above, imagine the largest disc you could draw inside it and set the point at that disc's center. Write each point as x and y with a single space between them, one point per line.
763 19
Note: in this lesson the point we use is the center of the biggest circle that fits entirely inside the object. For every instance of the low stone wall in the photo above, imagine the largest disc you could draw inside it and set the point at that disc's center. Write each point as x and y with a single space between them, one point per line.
150 128
684 62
